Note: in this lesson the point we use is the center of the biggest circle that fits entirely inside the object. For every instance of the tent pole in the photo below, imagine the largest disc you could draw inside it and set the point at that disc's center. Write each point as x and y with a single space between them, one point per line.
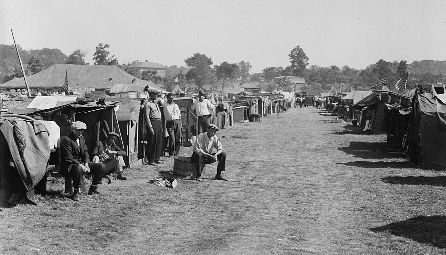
21 65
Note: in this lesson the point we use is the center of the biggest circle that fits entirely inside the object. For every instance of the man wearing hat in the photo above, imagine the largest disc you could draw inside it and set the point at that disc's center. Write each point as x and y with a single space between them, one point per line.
204 110
207 150
74 162
111 155
154 128
173 125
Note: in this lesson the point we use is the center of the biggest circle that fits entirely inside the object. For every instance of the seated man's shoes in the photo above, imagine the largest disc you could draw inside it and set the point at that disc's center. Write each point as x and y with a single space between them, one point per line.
219 178
93 190
121 177
159 162
74 196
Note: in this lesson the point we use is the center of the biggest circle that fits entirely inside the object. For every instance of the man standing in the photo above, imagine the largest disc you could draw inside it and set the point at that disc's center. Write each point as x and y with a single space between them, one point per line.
173 125
207 150
154 129
204 110
75 162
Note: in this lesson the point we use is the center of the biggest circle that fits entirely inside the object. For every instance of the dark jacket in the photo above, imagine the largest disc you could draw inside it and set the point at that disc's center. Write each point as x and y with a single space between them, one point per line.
101 151
71 153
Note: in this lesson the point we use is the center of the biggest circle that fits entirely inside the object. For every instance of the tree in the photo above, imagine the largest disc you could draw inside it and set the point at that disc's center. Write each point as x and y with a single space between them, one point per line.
244 68
401 69
382 70
48 57
76 58
34 65
102 56
270 72
226 71
200 69
299 61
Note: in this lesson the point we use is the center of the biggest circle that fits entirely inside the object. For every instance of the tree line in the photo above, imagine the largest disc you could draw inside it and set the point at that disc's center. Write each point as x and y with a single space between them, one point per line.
201 70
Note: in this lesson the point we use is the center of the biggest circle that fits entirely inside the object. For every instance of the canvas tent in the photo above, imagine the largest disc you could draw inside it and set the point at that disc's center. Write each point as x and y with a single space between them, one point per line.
426 143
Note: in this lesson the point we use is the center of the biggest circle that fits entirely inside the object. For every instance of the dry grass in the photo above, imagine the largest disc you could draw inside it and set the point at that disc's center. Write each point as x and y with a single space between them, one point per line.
299 184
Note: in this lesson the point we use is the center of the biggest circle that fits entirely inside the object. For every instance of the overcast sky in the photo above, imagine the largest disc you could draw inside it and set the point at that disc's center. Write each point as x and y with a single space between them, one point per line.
354 32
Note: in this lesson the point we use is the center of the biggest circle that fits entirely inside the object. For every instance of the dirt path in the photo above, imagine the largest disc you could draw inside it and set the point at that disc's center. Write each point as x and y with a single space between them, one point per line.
299 184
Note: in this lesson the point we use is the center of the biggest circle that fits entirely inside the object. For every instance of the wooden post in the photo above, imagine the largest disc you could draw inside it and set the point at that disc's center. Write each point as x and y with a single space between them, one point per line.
21 65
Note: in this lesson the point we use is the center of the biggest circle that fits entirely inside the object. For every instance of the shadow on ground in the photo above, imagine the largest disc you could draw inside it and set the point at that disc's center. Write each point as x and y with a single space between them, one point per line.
416 180
379 164
423 229
351 130
377 150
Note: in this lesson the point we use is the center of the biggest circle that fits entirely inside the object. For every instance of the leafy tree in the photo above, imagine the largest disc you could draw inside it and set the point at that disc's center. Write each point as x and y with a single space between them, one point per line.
34 65
288 71
226 71
257 77
102 56
270 72
244 67
200 69
299 61
130 70
401 69
48 57
382 70
76 58
151 76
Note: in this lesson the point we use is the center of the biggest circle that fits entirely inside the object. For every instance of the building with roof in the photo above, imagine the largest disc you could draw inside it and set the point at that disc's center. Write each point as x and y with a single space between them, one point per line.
149 66
251 87
291 83
79 78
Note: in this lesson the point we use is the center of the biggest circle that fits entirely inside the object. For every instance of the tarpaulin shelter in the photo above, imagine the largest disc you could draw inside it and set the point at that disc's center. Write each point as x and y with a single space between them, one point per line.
426 138
373 109
100 118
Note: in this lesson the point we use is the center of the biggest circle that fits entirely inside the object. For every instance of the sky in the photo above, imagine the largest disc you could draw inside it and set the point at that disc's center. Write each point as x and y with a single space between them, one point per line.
356 33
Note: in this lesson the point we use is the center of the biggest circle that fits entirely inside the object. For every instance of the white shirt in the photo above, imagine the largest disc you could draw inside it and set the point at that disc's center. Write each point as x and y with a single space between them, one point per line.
173 111
205 144
203 108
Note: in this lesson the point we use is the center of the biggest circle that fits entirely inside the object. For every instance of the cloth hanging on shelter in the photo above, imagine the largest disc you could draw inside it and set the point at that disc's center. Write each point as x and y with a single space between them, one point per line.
29 147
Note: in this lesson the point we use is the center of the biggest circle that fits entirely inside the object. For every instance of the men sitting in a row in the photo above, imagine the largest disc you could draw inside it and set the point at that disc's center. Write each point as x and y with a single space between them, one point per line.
75 162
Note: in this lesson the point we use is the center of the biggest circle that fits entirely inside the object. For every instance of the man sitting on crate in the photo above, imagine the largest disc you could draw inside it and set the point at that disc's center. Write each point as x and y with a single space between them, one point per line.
207 150
110 155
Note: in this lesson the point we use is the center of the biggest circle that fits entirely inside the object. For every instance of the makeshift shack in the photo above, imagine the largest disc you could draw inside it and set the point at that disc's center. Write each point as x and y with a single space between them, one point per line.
426 137
127 116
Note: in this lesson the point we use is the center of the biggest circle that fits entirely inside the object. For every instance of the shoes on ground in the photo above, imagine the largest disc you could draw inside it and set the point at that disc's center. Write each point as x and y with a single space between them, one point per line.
219 178
74 196
121 177
159 162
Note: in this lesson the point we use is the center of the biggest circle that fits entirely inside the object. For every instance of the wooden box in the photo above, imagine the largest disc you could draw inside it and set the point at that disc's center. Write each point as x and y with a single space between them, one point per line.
183 166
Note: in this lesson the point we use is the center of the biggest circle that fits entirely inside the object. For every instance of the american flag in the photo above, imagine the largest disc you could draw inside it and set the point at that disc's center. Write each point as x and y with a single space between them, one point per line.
282 81
401 84
382 82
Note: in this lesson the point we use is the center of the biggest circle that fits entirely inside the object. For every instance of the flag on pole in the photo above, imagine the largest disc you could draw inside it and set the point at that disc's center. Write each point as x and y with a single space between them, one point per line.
282 81
401 84
383 81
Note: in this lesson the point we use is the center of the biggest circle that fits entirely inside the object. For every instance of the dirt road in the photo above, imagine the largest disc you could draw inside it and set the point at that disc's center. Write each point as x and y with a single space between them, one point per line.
299 183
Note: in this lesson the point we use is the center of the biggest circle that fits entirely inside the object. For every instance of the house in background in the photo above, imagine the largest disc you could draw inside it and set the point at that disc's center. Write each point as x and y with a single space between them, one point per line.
149 66
291 83
251 87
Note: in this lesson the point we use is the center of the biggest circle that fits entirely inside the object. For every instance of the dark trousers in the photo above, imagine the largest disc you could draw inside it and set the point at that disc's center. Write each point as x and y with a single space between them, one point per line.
155 142
203 123
200 160
174 130
75 174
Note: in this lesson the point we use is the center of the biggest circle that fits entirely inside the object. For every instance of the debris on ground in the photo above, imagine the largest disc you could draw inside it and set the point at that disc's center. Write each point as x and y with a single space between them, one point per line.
165 182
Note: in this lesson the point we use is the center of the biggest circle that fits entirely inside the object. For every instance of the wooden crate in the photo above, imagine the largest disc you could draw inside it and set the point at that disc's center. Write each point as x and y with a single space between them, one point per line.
183 166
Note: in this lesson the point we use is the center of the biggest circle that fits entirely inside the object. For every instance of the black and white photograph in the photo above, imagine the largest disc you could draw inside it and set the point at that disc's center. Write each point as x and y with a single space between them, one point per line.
222 127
